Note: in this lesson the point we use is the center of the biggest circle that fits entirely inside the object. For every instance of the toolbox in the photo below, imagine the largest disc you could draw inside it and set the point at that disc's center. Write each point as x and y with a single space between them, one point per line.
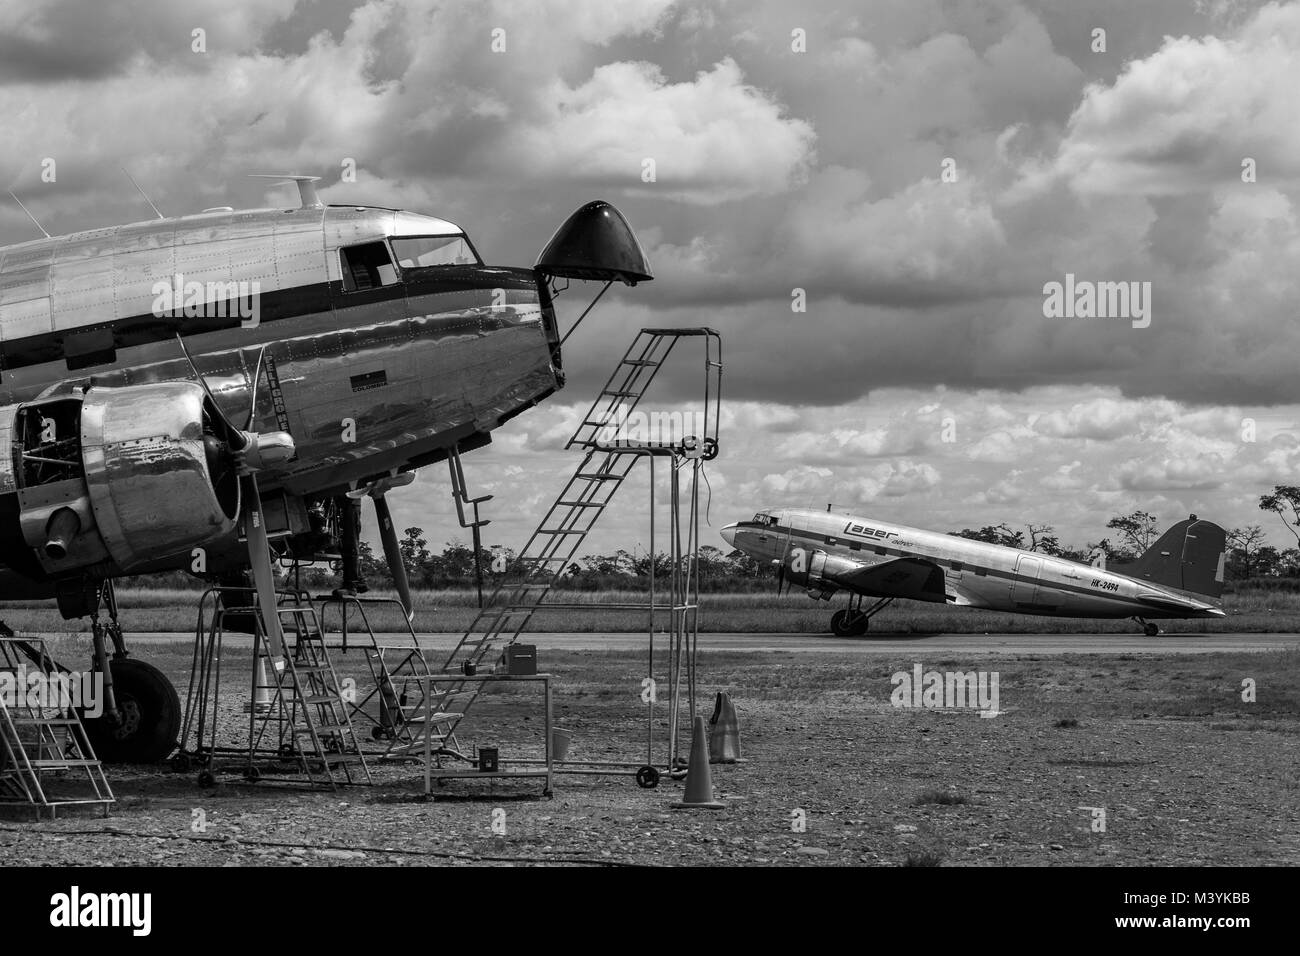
520 660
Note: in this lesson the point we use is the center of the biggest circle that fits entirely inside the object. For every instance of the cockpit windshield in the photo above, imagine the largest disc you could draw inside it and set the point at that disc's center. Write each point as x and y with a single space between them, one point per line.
764 519
421 252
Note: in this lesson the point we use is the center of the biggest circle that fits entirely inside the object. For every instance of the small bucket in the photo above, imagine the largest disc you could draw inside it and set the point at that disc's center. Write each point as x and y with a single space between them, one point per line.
560 740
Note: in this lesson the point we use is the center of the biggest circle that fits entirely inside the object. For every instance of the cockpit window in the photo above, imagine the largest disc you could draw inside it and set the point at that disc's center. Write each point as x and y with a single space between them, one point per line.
367 266
421 252
764 519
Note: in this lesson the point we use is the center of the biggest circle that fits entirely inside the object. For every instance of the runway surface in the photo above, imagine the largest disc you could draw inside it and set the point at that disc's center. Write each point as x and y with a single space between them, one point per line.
1042 644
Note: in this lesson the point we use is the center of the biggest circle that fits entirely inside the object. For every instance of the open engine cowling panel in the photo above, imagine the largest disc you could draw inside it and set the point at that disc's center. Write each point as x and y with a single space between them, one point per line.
111 479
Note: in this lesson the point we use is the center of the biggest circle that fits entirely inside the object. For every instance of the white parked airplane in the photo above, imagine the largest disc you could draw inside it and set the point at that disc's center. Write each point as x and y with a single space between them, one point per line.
1180 576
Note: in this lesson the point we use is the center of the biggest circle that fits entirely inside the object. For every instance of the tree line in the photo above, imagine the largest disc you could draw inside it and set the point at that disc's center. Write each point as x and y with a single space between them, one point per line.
1248 559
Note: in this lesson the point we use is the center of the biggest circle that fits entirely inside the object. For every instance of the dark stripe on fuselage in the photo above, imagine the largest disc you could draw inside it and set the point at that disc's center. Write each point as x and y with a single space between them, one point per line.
965 565
316 298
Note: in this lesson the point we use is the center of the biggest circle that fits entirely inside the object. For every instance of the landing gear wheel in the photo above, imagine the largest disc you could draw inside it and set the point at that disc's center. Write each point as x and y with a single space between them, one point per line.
647 778
849 623
1150 630
151 716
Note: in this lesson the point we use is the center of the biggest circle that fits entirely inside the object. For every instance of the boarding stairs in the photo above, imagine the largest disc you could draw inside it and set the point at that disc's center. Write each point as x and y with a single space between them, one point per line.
46 759
548 553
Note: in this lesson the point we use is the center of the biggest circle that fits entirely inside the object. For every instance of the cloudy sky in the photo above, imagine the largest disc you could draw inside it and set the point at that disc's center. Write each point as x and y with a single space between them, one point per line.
920 169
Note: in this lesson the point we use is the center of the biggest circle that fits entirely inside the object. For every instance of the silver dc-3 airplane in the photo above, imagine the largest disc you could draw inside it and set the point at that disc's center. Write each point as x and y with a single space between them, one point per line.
351 344
1180 576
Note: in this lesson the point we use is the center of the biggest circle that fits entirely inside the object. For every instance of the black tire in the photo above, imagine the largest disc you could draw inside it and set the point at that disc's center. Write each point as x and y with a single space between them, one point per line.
647 778
151 716
860 626
1151 630
843 623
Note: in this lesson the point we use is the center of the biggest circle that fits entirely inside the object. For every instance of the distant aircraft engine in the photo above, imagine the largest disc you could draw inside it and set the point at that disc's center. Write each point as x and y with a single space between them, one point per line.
111 479
810 569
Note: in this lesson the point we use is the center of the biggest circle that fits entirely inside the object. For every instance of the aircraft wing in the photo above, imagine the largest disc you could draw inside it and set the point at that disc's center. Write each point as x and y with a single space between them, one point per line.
913 578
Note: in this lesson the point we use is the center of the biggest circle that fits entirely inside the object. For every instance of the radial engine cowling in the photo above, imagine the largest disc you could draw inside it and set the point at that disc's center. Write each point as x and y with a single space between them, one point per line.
119 477
813 569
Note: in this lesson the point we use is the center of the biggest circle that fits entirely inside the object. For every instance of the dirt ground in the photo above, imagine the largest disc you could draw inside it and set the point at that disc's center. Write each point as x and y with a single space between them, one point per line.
1185 771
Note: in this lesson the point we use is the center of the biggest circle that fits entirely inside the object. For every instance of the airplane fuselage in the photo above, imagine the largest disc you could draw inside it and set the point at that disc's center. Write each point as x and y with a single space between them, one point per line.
382 349
976 574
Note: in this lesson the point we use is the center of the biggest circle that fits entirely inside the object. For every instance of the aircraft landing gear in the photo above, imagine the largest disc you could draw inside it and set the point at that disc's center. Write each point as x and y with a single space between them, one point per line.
852 621
139 711
1148 628
847 622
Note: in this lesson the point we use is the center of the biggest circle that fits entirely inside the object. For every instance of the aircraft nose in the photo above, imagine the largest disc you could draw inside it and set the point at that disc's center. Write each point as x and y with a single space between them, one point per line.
729 534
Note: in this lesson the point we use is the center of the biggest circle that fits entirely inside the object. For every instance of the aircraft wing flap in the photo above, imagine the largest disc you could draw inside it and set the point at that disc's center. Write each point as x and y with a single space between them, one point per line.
913 578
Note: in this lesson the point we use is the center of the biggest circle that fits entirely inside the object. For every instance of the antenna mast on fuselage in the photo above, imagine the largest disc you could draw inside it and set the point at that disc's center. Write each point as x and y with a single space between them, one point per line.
142 192
29 214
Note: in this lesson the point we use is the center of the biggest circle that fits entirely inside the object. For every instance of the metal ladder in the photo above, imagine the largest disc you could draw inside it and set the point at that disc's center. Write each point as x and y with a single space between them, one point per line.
308 708
46 759
398 670
553 545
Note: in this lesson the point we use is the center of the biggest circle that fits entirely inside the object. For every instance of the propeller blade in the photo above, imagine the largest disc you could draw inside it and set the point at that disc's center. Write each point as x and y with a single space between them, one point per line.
257 378
259 557
236 438
393 554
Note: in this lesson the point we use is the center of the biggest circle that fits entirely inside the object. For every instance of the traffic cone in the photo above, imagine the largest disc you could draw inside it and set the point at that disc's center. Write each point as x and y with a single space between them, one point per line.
724 735
261 688
699 779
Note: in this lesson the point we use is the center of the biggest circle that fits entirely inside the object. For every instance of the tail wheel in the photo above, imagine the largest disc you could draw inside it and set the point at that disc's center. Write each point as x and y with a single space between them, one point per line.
150 711
1150 630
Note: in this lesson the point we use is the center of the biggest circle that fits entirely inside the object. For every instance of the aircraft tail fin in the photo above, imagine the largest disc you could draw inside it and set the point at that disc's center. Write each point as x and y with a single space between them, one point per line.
1189 556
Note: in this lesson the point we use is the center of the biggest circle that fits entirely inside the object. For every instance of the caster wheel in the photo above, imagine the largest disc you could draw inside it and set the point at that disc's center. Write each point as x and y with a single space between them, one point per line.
647 778
207 779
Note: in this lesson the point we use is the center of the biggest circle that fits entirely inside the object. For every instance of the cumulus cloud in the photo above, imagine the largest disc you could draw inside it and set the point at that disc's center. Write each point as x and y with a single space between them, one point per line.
1184 118
711 140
